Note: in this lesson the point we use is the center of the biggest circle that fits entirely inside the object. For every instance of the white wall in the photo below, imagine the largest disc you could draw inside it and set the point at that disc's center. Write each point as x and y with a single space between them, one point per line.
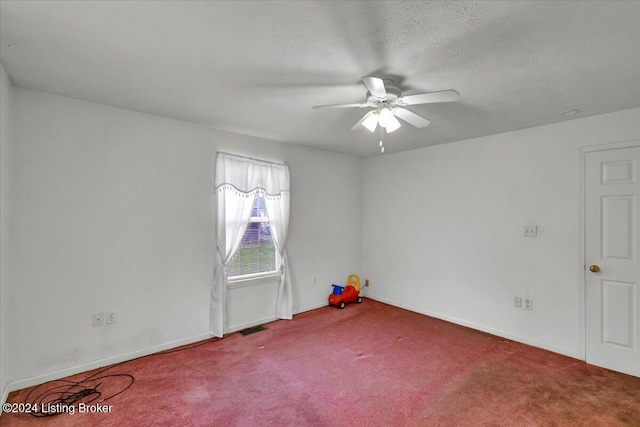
442 229
114 212
5 143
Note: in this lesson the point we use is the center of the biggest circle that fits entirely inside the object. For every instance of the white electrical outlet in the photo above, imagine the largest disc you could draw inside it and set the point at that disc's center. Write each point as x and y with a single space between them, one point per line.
98 319
517 302
530 231
528 304
111 318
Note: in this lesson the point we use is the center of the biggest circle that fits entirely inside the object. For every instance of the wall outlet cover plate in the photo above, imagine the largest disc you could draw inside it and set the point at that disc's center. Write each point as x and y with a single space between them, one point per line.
98 319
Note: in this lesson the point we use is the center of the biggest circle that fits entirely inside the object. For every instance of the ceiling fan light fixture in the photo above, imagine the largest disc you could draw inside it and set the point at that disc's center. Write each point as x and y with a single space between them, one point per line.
388 120
393 124
385 117
389 105
371 122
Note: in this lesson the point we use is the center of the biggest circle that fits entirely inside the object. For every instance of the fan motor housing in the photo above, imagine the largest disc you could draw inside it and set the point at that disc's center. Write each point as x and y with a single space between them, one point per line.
393 93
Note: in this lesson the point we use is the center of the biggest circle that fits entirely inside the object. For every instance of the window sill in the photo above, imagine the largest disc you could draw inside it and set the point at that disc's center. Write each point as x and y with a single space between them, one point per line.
253 281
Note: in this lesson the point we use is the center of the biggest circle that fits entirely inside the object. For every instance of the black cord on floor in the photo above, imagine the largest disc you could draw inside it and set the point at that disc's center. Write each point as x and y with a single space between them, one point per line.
57 396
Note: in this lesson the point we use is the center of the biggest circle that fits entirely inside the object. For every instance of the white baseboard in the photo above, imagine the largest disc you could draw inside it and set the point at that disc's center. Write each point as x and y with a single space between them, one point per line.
560 350
241 326
28 382
312 307
245 325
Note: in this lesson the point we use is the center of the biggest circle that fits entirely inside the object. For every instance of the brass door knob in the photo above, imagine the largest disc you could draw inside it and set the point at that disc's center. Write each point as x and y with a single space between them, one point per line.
594 268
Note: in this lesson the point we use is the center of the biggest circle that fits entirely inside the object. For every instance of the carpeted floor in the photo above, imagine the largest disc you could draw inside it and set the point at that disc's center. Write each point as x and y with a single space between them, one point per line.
366 365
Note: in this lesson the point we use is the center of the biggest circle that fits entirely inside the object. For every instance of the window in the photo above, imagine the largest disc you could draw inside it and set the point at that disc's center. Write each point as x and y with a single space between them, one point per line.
257 255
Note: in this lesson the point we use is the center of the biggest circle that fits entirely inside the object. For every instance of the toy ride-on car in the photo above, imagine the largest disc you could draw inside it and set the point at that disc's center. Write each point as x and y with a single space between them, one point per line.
345 294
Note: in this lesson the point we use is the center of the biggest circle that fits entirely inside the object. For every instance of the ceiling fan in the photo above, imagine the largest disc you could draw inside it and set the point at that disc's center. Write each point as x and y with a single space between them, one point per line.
388 103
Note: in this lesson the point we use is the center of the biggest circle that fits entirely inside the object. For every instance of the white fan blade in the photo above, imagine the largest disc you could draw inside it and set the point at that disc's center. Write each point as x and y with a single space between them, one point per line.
375 86
324 107
411 117
367 121
430 98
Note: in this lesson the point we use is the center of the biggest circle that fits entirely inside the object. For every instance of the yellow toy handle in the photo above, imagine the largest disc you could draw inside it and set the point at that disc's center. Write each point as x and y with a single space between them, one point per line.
354 281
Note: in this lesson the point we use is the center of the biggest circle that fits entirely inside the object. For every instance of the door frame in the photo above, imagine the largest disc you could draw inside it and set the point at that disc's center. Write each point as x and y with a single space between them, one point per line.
582 244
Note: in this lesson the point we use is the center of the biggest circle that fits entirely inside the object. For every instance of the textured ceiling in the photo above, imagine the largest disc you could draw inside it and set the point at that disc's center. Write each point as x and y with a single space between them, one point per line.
257 68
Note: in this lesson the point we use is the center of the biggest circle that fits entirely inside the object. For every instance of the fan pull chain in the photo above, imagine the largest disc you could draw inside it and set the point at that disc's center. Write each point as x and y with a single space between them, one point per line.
381 134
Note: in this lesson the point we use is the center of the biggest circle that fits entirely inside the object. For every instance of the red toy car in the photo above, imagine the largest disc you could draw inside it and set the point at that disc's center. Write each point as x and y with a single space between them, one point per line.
343 295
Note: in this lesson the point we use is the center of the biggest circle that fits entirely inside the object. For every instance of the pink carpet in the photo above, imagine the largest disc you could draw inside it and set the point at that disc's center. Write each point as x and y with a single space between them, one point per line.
366 365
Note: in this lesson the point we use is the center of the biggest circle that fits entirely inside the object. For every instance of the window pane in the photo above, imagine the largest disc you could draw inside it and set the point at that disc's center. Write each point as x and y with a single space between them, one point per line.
259 208
257 252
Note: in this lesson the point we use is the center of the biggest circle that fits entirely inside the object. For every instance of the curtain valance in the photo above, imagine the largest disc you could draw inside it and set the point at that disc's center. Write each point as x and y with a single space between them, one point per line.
250 176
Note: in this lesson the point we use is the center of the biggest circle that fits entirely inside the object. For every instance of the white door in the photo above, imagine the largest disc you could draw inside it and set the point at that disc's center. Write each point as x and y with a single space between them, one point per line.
612 269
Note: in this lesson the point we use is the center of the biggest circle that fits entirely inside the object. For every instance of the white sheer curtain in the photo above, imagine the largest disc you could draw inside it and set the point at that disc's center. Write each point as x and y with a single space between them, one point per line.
237 181
278 211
